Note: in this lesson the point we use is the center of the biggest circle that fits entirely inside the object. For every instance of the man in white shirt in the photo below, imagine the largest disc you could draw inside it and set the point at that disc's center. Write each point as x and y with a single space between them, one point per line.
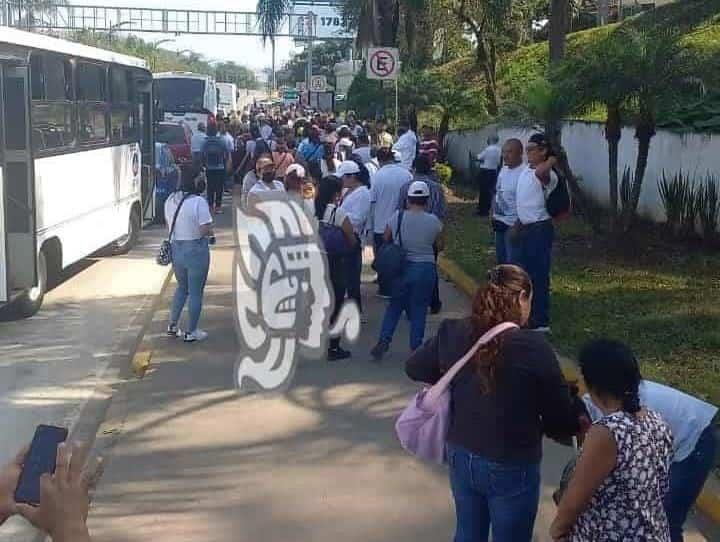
385 195
504 206
694 437
363 149
226 137
531 238
356 205
406 145
490 159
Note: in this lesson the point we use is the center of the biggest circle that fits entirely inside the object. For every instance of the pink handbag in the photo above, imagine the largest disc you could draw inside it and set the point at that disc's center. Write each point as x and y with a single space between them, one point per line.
423 425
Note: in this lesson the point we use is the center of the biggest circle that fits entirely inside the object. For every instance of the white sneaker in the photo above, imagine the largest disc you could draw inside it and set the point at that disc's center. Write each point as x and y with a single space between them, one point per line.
542 329
195 336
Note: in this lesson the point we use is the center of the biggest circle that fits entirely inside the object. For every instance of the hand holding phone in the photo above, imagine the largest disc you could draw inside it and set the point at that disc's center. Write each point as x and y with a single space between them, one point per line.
41 459
64 501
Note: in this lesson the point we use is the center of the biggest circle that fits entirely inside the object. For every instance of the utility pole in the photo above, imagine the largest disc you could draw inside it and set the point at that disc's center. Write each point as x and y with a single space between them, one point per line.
311 28
274 80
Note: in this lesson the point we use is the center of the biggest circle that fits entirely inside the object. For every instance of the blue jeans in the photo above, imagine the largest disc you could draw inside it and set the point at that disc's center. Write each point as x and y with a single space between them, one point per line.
353 274
503 247
686 481
412 292
191 262
532 250
503 497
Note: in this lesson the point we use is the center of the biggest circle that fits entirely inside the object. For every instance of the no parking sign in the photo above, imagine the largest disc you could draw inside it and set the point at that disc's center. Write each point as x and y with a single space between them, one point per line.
383 63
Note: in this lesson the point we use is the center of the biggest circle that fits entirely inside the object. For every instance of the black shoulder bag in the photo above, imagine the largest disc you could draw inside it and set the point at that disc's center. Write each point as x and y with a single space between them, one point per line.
164 256
391 258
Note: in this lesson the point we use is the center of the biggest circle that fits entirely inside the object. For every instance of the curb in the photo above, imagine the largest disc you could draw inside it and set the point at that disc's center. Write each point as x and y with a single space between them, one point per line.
708 501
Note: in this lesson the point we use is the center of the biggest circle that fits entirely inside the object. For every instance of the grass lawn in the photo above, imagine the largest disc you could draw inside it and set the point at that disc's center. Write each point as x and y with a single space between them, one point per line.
662 299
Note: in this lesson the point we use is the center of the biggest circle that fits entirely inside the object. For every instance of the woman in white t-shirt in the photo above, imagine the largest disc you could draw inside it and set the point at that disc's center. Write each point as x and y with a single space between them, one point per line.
191 239
328 211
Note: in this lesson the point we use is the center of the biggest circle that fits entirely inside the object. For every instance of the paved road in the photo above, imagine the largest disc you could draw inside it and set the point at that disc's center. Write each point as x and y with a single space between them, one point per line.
55 366
194 461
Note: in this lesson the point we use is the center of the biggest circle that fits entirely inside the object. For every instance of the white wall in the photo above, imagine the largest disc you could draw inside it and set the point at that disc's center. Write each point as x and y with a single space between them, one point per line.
588 153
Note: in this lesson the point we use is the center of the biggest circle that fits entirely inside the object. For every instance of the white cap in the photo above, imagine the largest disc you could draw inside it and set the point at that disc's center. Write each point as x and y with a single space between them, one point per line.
345 142
341 127
397 155
297 169
348 167
419 189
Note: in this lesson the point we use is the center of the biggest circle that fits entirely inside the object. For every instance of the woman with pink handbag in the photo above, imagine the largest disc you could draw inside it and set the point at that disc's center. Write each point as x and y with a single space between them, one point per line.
508 394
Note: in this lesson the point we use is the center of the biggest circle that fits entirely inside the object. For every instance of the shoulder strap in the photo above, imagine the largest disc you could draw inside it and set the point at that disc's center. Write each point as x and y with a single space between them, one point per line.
177 211
332 215
439 388
398 233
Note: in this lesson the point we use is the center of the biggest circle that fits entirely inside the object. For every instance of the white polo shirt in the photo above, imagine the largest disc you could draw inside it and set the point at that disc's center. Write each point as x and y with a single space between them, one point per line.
385 193
505 206
530 196
491 157
356 205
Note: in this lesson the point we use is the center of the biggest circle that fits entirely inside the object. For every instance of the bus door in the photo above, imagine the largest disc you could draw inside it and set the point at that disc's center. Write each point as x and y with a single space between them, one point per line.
17 200
147 148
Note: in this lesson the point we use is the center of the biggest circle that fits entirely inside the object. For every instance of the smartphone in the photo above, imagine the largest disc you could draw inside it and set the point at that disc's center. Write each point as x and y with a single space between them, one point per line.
39 460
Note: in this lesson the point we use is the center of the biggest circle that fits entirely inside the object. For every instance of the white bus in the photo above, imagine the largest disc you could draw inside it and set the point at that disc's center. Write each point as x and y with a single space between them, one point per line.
186 97
75 131
227 98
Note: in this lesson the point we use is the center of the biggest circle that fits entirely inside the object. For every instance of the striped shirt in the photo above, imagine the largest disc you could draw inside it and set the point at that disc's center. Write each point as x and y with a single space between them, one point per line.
436 203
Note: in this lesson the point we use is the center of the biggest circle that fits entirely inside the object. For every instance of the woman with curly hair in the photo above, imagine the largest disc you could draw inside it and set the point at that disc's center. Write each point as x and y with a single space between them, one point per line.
503 402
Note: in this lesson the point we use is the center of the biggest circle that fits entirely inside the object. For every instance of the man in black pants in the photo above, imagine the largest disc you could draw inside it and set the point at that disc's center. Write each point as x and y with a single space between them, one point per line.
490 160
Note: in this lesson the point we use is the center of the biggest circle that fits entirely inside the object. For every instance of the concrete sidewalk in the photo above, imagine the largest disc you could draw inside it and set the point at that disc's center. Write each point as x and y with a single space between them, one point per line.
194 461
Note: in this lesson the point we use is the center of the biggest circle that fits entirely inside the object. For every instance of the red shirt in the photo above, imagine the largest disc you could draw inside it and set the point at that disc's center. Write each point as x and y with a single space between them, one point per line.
430 148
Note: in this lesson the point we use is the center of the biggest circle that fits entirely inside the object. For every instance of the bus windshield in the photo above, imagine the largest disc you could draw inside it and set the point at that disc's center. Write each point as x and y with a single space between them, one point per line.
181 95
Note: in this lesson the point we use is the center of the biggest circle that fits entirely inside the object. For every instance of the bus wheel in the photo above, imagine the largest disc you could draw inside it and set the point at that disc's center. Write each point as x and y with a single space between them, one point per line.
127 241
31 300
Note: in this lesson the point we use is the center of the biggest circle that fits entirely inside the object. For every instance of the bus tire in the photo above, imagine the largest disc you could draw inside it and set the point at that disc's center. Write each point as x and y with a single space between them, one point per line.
128 241
31 300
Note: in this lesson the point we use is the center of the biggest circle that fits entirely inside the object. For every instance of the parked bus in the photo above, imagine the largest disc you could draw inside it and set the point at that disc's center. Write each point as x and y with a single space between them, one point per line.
186 97
227 98
75 134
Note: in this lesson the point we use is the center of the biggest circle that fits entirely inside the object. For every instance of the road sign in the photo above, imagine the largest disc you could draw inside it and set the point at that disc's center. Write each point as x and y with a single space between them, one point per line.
318 83
383 63
301 86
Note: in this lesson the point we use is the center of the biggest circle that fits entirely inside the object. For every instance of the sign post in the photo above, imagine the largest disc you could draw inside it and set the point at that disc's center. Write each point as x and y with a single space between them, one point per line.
384 64
318 83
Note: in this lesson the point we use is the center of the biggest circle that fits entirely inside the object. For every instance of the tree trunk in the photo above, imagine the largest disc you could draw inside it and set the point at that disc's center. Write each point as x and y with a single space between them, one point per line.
613 132
442 133
385 24
484 59
558 29
644 133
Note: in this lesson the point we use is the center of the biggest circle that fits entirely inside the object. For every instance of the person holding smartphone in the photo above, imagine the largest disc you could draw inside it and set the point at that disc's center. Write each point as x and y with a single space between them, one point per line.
64 501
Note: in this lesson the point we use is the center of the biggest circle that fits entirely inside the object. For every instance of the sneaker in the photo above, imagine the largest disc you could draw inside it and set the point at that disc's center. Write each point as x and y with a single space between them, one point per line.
218 210
338 354
382 296
173 331
195 336
435 309
541 329
380 350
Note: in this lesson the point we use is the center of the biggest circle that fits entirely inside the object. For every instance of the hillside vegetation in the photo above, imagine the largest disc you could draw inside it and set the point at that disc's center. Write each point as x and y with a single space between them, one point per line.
697 20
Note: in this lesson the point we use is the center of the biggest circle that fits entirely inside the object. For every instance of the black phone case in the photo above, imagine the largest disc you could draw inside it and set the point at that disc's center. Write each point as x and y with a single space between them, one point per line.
40 459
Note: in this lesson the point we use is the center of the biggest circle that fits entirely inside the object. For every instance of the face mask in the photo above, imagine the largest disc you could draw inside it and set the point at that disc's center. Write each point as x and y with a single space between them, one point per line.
268 176
200 185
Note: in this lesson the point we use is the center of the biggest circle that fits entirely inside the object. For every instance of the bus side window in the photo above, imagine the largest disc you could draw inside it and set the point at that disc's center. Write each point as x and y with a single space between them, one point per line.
92 106
52 106
123 125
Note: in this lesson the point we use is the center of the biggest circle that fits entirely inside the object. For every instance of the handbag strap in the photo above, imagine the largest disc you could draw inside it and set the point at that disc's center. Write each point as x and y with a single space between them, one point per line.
439 388
398 233
177 212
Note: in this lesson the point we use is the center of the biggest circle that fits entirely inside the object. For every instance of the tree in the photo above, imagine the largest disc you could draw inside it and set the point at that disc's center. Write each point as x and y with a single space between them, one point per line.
325 56
599 74
230 72
659 67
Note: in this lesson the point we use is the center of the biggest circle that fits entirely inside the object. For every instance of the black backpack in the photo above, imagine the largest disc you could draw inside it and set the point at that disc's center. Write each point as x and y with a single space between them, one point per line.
558 202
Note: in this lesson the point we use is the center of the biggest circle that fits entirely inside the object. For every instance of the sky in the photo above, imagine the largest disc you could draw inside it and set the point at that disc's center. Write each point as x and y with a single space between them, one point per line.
245 50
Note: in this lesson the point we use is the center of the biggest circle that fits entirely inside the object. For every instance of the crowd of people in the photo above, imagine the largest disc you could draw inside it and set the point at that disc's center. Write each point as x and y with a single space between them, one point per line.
647 449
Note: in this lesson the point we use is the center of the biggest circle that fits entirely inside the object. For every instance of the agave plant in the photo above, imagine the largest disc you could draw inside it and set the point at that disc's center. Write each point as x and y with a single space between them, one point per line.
709 206
693 197
673 192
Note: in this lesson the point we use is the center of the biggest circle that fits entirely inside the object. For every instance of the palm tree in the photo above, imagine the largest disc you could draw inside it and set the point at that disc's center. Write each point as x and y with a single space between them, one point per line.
599 75
658 66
